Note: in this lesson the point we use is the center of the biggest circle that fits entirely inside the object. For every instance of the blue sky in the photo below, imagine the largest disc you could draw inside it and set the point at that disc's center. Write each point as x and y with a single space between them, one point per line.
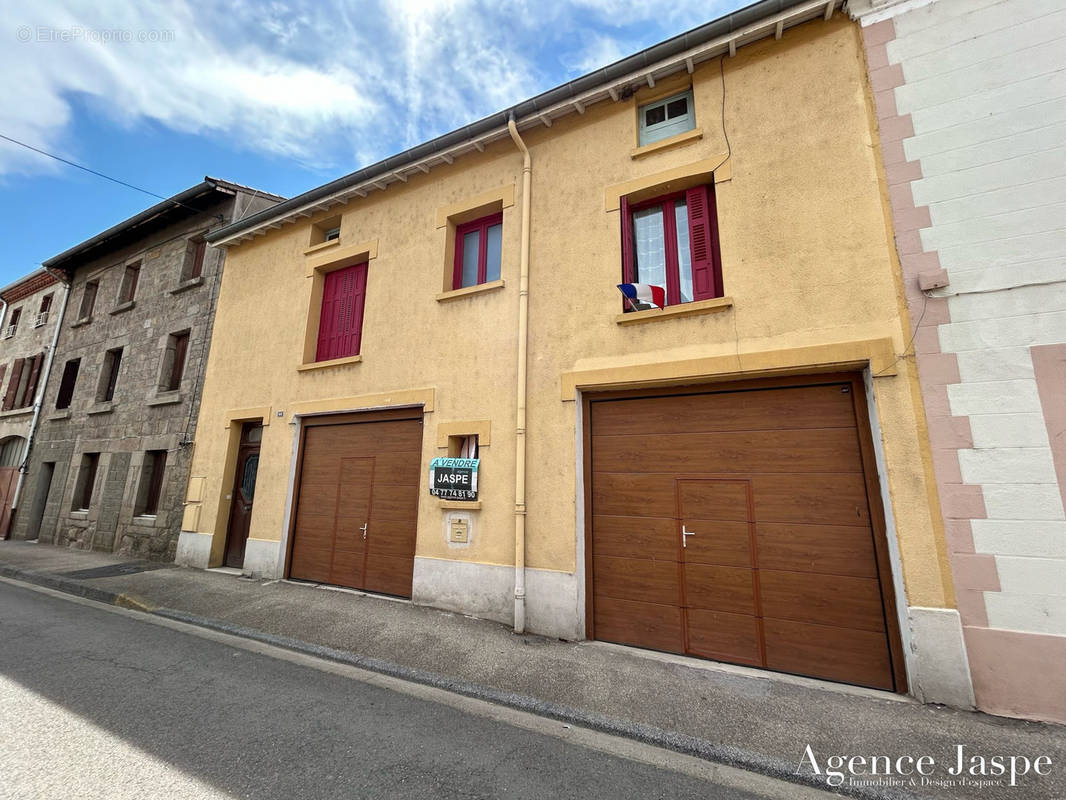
282 96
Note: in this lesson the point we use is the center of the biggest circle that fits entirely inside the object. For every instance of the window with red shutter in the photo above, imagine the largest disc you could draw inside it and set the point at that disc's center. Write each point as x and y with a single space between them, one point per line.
672 242
340 325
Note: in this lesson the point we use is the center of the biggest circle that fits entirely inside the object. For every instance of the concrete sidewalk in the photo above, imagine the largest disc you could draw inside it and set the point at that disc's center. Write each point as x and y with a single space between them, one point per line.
755 720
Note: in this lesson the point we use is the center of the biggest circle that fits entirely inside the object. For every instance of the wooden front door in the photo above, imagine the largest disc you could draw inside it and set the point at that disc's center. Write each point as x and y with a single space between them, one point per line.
244 478
739 526
357 504
8 480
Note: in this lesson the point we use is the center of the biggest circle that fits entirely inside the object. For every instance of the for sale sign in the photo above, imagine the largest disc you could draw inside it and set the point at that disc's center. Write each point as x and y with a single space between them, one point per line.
453 478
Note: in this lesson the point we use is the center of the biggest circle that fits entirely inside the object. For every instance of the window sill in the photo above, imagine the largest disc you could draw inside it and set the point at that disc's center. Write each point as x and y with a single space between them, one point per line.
166 398
82 321
105 407
191 283
14 412
81 515
695 309
460 505
59 415
322 246
466 291
333 362
145 520
122 307
666 144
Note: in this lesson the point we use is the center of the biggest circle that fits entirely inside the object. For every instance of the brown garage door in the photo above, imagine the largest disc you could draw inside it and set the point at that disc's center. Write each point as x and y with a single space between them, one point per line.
357 503
736 525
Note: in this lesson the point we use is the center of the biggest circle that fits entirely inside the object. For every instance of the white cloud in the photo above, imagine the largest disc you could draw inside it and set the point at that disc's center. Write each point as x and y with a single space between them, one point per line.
333 84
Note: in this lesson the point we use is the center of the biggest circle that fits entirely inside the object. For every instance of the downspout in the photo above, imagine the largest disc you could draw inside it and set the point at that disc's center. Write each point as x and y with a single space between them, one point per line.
520 421
38 402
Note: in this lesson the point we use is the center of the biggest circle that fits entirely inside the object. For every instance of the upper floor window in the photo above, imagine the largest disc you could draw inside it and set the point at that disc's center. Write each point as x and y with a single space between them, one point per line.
340 326
672 242
109 376
42 314
88 300
665 118
174 361
193 266
130 277
22 387
13 323
66 386
478 249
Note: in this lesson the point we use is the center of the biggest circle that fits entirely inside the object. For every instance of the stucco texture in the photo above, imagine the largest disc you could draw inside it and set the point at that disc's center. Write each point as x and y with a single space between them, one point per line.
807 258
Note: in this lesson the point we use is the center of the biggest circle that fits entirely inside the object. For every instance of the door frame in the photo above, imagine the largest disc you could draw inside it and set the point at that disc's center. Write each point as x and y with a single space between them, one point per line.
236 478
872 478
321 420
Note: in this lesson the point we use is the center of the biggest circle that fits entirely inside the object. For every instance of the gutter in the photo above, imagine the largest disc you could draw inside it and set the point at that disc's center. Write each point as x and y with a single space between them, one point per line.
616 82
520 414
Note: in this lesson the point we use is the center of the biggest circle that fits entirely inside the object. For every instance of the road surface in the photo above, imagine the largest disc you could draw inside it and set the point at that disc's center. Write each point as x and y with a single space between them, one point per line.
104 702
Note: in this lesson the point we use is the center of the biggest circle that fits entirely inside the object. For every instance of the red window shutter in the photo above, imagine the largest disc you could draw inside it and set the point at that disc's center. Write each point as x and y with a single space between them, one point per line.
341 324
706 277
13 385
628 270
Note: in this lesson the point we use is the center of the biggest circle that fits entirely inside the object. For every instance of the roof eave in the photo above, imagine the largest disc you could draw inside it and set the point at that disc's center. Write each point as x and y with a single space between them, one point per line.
723 35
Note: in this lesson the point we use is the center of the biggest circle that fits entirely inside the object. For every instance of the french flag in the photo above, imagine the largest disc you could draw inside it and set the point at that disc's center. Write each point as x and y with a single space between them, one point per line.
643 293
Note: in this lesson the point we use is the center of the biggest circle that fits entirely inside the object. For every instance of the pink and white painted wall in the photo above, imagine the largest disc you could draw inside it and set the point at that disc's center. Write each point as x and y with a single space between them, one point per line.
971 102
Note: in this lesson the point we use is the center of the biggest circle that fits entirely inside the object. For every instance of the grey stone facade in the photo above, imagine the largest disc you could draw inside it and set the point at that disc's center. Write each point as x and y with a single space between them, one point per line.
144 417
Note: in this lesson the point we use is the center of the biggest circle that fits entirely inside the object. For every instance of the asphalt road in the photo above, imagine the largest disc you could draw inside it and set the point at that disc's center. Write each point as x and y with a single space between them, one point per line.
98 702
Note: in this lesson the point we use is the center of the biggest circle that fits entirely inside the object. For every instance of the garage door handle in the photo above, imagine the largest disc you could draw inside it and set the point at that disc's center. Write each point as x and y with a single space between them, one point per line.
684 534
363 529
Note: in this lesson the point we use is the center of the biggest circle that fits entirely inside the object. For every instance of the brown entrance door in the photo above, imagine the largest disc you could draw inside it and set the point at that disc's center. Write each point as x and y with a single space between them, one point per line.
740 525
240 516
8 480
357 503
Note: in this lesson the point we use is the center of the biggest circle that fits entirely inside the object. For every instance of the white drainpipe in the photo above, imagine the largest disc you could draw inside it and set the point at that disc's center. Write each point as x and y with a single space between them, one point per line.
39 401
520 427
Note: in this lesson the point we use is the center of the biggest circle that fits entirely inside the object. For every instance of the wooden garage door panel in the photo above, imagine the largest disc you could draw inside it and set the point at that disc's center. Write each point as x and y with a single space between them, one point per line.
398 503
388 537
316 530
389 574
833 549
729 589
743 452
637 579
635 537
717 542
347 567
714 500
838 499
399 468
761 409
726 637
642 624
822 599
311 563
838 654
357 474
628 495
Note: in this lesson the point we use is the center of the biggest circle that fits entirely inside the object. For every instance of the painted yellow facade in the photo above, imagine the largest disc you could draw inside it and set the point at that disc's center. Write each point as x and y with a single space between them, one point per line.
809 270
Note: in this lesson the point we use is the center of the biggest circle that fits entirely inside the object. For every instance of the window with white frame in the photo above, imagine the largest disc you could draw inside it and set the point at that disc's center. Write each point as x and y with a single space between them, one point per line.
667 117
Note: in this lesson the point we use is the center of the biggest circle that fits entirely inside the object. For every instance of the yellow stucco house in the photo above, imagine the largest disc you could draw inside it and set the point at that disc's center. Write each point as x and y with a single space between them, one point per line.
731 464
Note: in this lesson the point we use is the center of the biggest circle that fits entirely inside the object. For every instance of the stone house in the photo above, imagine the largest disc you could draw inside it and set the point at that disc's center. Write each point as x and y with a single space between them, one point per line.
31 307
111 456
